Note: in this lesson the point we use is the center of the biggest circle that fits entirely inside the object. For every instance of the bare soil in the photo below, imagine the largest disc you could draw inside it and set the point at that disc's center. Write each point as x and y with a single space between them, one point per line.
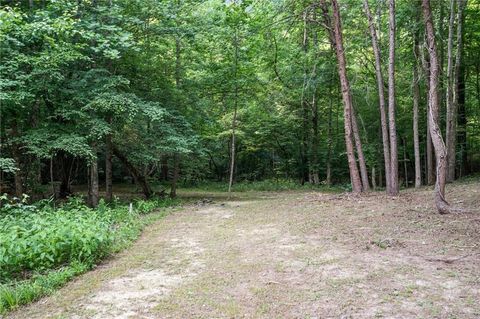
291 255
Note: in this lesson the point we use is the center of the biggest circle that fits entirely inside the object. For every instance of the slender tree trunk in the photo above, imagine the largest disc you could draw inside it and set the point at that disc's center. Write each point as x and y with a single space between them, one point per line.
330 138
336 38
140 180
374 182
380 178
93 185
381 94
18 180
361 157
429 147
315 137
451 112
437 139
176 171
176 157
416 102
234 119
459 93
164 168
108 168
458 86
303 102
405 164
52 180
394 188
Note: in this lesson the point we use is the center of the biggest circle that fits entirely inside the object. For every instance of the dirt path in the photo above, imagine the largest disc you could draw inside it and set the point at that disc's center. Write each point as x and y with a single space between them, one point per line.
291 255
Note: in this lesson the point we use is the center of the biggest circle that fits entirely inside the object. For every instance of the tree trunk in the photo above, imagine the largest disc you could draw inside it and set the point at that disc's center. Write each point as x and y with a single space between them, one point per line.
176 174
429 147
139 179
336 38
416 101
164 169
108 169
93 184
315 137
330 138
304 146
433 105
178 78
405 165
381 94
451 112
361 157
394 188
458 93
234 119
374 182
18 180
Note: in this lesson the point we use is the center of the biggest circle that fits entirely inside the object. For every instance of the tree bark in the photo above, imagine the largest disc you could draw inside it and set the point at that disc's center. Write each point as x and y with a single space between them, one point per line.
314 145
93 184
234 119
361 157
108 168
336 38
330 138
304 146
405 165
176 174
394 187
176 157
139 179
430 175
17 178
440 151
458 93
381 94
416 101
451 112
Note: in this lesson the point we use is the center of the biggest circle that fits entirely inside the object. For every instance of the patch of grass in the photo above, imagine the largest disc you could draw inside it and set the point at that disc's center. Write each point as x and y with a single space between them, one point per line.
42 247
19 293
267 185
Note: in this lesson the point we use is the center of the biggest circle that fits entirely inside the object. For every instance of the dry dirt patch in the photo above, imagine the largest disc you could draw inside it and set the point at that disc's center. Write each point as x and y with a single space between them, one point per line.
291 255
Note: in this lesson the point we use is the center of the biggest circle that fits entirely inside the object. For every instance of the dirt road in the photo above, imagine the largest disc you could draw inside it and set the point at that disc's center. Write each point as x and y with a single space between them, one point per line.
290 255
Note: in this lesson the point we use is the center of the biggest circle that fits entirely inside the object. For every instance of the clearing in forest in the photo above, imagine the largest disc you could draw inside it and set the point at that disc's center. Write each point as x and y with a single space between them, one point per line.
290 255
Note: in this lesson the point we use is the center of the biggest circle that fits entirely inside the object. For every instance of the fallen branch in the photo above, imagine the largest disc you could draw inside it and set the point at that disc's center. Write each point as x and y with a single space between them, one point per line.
451 260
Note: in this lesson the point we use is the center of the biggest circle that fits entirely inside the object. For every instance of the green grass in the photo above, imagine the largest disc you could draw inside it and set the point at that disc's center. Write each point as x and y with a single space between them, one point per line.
42 248
270 185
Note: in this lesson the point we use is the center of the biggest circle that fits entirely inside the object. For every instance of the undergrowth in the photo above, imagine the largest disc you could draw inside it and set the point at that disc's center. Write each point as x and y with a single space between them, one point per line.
43 246
267 185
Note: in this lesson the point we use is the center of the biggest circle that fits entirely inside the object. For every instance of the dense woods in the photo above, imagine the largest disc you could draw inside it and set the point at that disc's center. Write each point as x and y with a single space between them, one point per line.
109 109
369 93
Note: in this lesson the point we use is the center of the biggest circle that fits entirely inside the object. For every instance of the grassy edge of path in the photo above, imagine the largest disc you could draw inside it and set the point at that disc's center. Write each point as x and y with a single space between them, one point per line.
43 284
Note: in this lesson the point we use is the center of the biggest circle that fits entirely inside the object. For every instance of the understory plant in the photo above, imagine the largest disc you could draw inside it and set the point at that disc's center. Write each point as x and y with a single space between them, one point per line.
42 247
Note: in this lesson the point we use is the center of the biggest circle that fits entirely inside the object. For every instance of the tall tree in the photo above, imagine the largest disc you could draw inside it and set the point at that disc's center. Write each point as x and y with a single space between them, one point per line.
381 95
416 102
459 93
433 109
394 187
451 112
334 28
235 109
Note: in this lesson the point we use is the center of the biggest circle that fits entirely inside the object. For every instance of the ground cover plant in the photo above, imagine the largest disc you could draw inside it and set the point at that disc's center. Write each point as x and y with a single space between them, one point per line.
42 247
